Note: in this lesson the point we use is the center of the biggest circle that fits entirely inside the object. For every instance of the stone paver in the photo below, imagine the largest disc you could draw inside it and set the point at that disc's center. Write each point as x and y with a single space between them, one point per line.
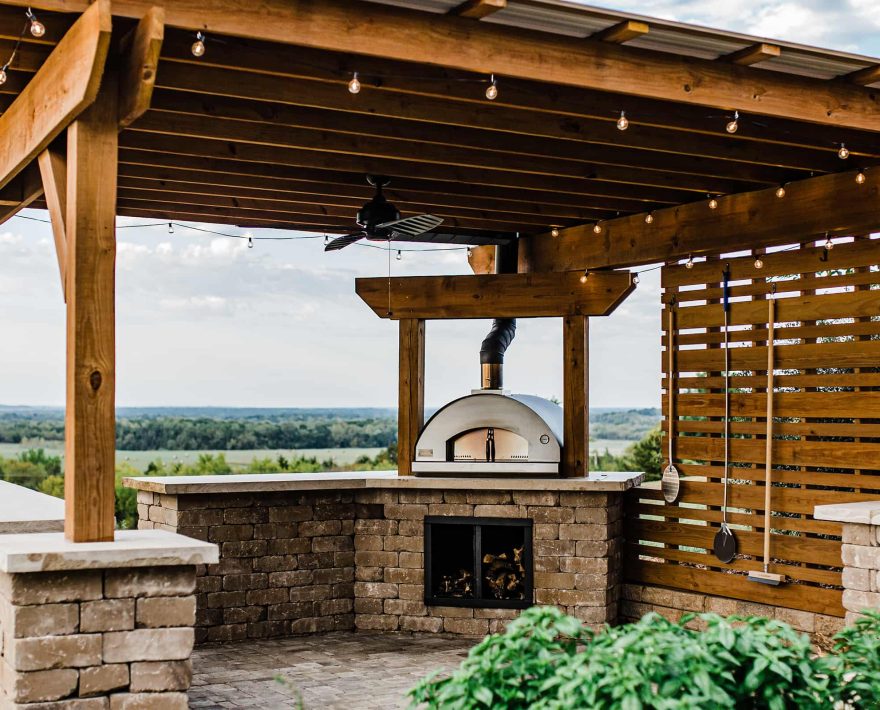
346 670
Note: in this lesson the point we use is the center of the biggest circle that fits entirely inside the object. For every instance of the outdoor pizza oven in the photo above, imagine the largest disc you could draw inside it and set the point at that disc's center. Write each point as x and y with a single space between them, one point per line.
491 432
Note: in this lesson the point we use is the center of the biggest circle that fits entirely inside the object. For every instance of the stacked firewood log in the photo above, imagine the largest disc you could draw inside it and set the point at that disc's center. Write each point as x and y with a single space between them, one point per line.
506 574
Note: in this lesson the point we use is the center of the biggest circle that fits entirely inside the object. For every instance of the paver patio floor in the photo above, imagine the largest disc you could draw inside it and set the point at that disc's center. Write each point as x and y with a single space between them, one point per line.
335 670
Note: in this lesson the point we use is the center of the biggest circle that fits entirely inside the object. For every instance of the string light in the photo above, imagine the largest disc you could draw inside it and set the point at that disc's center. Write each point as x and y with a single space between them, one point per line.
689 264
492 89
622 122
170 228
470 252
326 240
860 178
713 203
597 228
38 29
636 279
354 86
554 232
3 74
198 47
585 276
829 245
649 218
399 255
843 153
780 191
250 242
759 263
733 126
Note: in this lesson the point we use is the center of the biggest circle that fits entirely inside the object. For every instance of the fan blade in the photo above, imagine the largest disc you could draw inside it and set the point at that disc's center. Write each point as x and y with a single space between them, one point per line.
412 226
473 240
342 242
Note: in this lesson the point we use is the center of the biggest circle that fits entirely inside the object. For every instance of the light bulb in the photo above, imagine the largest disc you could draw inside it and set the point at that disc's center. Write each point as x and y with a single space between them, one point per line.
492 89
843 153
649 218
860 178
759 263
354 86
636 279
597 228
170 228
689 264
198 47
399 255
622 122
554 232
733 126
470 252
250 242
713 203
38 29
829 245
780 192
326 240
2 76
584 277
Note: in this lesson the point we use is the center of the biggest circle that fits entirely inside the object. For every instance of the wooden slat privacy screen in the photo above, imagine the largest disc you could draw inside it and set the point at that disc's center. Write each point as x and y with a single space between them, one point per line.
826 423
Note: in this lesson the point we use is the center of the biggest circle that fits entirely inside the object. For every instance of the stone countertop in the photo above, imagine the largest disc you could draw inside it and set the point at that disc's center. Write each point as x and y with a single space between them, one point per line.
598 482
862 513
43 552
23 510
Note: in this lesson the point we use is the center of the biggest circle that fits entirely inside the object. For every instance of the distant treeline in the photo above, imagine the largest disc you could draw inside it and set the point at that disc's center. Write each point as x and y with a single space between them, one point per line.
230 429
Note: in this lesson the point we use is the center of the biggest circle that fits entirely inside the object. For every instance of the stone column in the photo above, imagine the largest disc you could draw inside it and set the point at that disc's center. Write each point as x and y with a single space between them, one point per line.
860 552
98 626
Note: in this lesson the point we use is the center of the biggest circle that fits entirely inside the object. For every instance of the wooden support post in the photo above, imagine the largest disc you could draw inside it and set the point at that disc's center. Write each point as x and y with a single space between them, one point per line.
411 392
576 400
90 429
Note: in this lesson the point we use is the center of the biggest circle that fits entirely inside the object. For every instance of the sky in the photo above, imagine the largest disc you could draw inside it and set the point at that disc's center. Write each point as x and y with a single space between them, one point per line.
206 321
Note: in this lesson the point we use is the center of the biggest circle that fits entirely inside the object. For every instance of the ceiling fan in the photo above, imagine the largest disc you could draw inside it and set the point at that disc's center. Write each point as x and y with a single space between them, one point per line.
379 220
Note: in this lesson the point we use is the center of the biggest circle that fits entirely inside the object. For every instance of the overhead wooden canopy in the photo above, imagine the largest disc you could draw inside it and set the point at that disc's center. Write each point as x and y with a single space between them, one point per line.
261 131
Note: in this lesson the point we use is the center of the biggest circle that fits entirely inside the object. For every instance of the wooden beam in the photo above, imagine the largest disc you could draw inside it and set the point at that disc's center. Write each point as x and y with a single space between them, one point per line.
836 204
478 9
89 462
140 62
24 189
496 295
516 52
863 77
411 392
53 170
575 396
64 86
622 32
753 54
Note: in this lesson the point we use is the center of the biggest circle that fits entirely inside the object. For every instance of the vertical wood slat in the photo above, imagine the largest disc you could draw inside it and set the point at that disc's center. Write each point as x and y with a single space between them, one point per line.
411 391
90 428
576 401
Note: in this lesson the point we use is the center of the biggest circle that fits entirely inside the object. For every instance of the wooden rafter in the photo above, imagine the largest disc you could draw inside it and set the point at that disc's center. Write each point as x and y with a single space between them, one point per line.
478 9
753 54
830 203
65 85
863 77
331 25
531 295
21 192
622 32
140 62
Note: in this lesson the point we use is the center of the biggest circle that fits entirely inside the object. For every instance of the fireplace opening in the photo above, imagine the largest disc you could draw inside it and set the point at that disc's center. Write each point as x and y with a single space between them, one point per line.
478 562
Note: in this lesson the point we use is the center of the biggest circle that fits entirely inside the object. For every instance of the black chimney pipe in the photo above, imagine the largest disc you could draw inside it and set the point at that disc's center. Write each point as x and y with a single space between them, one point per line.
503 330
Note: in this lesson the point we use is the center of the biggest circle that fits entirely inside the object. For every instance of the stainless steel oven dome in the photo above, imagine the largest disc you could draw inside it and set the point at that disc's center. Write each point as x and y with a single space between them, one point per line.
492 433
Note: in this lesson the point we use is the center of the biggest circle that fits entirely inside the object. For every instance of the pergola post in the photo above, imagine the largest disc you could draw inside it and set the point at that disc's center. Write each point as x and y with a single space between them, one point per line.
575 398
90 430
411 392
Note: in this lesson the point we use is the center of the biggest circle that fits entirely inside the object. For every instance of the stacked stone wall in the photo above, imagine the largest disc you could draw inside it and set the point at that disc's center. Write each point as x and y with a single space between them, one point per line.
97 639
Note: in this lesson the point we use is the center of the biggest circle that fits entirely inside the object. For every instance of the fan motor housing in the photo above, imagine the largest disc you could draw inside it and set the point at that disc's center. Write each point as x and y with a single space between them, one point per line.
377 211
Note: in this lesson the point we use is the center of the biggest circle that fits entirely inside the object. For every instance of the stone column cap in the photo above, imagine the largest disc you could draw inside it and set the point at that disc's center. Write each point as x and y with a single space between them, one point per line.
44 552
866 512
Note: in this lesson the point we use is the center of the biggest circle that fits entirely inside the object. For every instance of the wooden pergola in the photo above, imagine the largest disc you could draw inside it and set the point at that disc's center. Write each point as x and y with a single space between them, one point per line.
110 113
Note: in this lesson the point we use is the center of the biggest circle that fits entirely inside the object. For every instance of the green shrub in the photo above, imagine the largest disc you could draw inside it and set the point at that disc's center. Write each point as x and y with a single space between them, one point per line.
549 661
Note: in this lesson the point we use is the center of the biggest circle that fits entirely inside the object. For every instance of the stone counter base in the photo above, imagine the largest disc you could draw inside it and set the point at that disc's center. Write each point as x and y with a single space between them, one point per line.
97 639
639 599
305 562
